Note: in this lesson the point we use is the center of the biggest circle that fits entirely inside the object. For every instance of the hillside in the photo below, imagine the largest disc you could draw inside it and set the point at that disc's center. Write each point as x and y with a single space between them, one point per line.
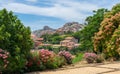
45 30
68 27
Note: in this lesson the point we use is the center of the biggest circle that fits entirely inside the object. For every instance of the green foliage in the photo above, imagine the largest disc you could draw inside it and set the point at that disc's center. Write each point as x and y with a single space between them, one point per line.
60 61
77 35
93 24
113 47
76 50
14 36
46 47
43 59
54 49
100 58
16 65
77 58
107 39
115 9
53 39
4 55
33 62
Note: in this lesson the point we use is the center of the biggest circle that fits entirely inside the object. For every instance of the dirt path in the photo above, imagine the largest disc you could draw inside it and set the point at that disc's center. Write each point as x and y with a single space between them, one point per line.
113 68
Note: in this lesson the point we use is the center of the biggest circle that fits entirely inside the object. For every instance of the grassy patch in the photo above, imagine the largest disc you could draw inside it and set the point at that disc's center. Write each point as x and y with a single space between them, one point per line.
78 58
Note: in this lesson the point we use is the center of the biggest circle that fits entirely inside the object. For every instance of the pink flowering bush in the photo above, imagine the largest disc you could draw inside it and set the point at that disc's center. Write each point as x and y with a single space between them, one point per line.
46 55
33 62
3 59
43 59
90 57
48 58
67 55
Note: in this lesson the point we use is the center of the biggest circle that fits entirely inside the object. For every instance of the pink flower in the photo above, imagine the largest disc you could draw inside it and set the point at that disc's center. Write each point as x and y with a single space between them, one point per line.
45 55
67 55
3 56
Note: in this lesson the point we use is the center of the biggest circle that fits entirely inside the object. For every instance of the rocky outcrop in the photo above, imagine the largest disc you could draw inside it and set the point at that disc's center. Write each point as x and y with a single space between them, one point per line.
68 27
45 30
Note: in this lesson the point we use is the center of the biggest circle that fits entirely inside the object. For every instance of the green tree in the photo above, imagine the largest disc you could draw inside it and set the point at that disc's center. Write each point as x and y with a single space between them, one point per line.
92 26
14 36
107 39
53 39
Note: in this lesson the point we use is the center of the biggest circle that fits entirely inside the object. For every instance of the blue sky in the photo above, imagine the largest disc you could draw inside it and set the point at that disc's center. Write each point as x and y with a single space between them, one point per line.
54 13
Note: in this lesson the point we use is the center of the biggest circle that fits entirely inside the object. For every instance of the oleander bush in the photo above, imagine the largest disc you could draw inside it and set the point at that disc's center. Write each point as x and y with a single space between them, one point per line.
67 55
33 62
48 58
90 57
44 59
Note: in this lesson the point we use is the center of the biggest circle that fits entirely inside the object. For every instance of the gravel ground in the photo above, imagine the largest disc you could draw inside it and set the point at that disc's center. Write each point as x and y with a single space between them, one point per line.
113 68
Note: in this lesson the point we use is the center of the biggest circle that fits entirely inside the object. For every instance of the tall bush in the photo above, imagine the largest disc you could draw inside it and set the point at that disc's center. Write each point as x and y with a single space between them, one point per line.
92 26
107 39
15 38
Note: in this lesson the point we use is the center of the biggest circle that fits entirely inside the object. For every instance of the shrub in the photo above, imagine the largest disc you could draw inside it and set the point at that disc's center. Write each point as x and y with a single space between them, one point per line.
33 62
67 55
60 60
48 58
14 38
106 40
16 65
100 58
90 57
43 59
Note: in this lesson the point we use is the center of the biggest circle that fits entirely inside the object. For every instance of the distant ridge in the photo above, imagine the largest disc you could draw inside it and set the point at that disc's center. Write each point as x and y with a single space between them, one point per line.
68 27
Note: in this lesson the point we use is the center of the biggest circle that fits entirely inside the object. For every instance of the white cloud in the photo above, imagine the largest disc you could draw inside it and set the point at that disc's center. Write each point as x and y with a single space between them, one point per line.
64 10
32 0
69 10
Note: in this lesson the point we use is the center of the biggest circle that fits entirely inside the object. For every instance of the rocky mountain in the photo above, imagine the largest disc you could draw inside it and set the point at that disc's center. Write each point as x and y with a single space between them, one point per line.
45 30
68 27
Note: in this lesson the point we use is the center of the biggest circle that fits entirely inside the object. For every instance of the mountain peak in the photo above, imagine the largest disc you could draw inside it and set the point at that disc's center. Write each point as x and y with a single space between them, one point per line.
71 23
47 28
68 27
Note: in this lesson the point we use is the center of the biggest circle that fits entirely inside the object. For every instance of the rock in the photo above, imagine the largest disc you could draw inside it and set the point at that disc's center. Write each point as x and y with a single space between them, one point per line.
68 27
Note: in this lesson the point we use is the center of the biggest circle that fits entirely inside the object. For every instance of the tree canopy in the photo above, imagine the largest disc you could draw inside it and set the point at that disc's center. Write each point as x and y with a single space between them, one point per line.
14 36
92 26
107 39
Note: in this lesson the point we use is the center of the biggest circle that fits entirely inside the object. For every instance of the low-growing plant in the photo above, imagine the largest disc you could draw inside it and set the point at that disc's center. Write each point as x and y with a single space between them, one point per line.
78 58
90 57
60 60
100 58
